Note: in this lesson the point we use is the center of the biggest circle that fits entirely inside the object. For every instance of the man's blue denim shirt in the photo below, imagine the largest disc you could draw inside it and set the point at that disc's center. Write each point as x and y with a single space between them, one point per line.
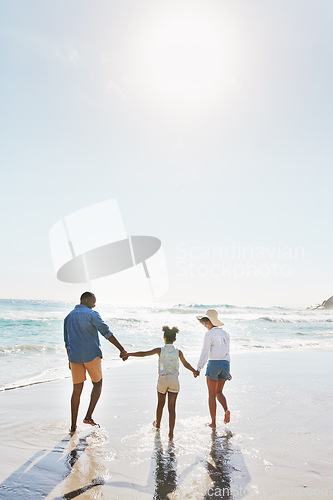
81 328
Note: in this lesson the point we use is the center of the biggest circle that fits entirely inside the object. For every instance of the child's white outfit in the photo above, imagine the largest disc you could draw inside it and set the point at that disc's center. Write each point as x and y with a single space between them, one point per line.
168 369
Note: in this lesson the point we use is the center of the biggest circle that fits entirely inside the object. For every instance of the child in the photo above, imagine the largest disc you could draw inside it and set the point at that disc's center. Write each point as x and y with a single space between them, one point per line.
168 368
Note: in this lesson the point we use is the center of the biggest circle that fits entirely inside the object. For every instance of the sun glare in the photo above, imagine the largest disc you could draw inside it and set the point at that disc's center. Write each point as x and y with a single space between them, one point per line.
187 57
185 60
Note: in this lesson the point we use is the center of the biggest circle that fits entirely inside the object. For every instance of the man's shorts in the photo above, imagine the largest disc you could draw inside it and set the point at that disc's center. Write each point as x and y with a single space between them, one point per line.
167 383
218 370
94 368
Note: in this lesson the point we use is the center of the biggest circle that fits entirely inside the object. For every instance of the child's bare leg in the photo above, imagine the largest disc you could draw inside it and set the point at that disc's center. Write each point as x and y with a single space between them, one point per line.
159 409
172 397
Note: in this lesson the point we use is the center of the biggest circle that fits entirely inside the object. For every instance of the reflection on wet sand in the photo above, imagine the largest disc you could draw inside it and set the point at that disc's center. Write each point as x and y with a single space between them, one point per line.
165 469
43 471
226 468
219 468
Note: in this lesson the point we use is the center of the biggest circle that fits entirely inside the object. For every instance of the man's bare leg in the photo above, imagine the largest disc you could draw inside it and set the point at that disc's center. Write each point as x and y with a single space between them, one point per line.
172 397
159 409
212 387
75 403
95 394
222 400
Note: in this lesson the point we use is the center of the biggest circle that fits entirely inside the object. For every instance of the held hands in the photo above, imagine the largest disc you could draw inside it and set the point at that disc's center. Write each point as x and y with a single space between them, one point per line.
123 355
196 373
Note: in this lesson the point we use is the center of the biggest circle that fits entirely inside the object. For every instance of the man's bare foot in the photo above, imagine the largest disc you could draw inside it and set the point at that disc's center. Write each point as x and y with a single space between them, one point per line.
72 430
155 425
213 426
90 422
227 417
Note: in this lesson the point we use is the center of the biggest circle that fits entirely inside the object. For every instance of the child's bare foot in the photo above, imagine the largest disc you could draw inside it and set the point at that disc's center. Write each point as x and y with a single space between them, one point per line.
212 425
227 417
155 425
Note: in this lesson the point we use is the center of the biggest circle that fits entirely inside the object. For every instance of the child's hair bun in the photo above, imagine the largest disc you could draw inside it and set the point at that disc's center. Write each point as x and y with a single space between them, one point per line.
170 333
173 330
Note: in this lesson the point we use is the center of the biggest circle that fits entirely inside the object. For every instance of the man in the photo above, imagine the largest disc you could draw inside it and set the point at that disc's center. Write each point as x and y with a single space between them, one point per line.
216 349
81 328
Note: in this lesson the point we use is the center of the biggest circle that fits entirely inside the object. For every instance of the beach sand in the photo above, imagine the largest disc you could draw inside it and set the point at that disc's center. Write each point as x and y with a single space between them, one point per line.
277 445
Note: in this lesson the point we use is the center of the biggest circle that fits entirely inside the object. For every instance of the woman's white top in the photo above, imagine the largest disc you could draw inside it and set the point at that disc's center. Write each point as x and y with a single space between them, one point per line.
215 346
168 363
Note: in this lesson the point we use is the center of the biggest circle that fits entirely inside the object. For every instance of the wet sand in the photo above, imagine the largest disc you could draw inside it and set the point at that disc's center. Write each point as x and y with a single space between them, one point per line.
277 445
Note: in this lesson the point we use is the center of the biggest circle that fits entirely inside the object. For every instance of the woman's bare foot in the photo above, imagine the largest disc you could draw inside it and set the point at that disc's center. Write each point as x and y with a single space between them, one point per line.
155 425
213 426
171 436
227 417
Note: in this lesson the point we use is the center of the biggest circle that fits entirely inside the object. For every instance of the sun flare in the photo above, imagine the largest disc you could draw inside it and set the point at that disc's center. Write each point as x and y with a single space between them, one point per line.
187 57
185 61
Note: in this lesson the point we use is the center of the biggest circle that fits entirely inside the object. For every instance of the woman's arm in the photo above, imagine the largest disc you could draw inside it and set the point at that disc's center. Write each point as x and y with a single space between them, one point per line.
187 364
204 352
141 354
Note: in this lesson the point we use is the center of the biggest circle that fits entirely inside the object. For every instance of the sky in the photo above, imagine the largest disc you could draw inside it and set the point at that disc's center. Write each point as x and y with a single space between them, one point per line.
210 123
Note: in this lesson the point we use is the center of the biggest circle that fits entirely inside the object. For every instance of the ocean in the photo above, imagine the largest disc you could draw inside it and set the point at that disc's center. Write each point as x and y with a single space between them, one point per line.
32 348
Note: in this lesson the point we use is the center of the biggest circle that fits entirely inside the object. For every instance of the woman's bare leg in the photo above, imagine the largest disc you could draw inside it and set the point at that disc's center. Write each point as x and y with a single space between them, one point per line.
212 388
219 394
222 400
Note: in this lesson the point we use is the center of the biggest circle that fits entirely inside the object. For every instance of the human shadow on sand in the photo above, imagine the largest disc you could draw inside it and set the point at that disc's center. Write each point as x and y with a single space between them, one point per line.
39 475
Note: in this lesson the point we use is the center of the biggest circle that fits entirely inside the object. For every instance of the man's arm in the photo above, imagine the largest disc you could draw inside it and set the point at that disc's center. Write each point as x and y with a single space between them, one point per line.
114 341
100 325
142 354
105 331
187 365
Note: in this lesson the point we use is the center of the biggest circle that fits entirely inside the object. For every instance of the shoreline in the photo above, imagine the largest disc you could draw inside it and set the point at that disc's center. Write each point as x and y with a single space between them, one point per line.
278 438
115 360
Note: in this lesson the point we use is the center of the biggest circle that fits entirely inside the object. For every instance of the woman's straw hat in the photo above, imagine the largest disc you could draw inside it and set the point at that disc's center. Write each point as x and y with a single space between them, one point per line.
211 314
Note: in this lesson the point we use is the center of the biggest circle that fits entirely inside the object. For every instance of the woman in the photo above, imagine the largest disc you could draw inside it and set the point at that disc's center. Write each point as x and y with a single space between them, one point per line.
216 350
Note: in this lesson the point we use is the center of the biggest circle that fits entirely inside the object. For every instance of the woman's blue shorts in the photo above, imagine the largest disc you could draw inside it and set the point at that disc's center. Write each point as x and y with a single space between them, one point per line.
218 370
